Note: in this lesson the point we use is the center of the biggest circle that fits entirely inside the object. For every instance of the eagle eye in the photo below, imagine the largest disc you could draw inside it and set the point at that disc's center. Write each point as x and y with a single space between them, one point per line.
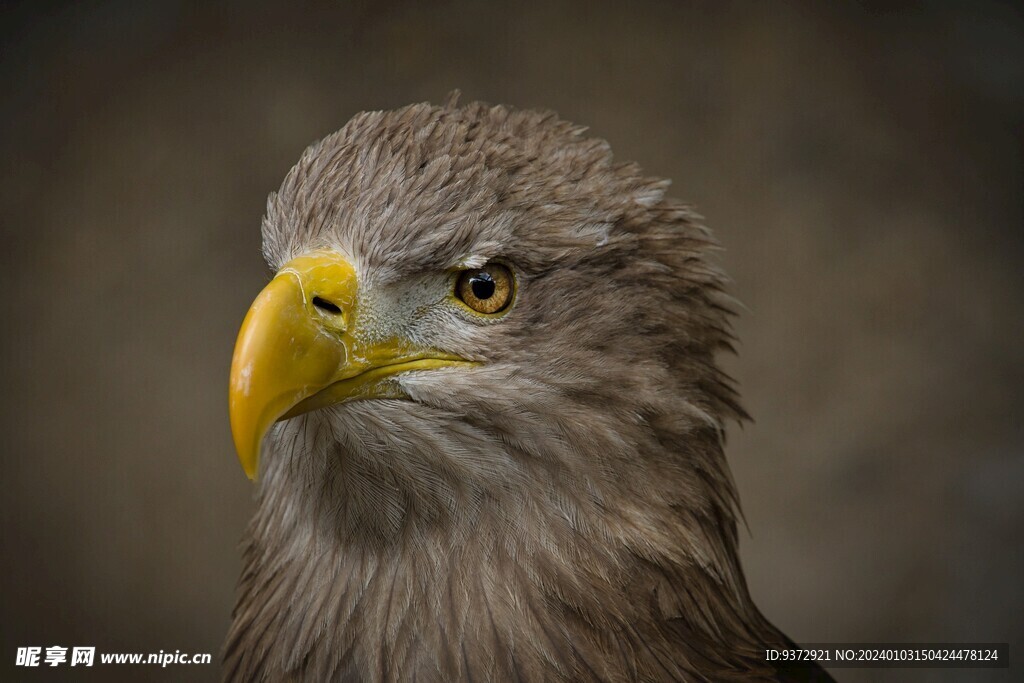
486 290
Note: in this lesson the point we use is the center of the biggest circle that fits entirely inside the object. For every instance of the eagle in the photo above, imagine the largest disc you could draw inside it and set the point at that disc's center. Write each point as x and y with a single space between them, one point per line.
480 401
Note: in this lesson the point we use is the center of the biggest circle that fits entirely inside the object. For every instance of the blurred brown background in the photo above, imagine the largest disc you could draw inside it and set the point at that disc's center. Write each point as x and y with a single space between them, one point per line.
861 163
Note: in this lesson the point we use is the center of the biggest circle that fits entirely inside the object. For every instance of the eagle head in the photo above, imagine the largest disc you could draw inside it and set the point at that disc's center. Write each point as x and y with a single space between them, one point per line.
481 404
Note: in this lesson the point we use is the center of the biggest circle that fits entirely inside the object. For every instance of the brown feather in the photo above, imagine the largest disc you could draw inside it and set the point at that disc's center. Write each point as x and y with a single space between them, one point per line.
563 512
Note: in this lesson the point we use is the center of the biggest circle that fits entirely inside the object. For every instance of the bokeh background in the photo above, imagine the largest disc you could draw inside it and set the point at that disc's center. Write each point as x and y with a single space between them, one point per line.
862 165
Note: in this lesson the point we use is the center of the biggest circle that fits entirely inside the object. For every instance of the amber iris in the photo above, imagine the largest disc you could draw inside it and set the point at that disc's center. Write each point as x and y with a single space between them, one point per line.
486 290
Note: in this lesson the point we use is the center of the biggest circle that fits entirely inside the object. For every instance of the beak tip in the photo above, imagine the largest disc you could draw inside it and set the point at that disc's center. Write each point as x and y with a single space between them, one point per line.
247 448
248 456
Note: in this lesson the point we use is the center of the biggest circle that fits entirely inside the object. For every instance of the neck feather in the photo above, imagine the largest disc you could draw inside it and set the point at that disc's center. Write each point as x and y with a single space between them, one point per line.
538 584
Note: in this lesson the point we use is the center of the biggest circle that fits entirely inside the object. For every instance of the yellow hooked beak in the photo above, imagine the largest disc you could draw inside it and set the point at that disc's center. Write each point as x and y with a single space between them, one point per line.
300 348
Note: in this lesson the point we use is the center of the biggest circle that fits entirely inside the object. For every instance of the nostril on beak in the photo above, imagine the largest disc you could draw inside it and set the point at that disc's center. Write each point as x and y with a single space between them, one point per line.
326 306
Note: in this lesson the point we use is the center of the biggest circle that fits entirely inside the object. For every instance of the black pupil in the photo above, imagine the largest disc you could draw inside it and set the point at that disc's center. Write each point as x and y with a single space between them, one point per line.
482 285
